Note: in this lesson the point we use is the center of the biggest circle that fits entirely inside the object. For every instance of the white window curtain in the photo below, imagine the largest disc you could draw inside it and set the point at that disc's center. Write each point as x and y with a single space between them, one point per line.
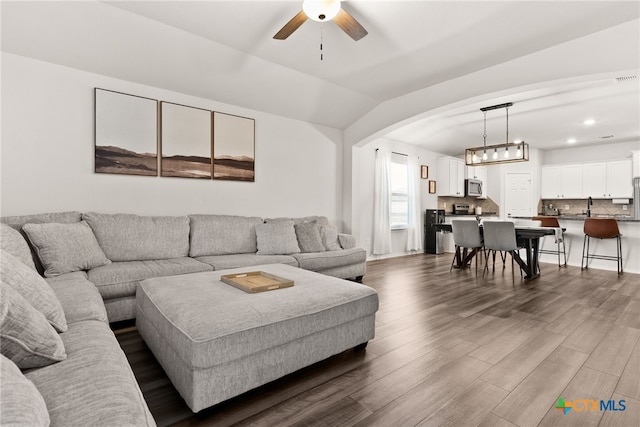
382 204
414 233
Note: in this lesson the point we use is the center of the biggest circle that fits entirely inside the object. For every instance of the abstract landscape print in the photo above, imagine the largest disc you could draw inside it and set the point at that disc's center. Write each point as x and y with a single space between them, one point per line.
233 147
126 136
185 141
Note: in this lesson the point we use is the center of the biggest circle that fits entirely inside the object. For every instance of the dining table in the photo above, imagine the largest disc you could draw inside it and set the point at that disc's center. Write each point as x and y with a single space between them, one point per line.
527 238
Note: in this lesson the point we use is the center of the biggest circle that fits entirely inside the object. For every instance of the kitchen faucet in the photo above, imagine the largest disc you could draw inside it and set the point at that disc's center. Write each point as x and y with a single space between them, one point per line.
589 203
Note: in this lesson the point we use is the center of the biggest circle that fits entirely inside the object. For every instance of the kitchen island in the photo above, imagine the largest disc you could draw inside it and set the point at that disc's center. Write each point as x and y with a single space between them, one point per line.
574 237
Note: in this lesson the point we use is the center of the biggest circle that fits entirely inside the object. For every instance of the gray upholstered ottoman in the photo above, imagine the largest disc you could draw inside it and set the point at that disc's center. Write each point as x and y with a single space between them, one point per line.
215 341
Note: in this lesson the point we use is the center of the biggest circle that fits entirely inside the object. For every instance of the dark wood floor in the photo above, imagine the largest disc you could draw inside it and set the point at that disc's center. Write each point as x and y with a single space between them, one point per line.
451 350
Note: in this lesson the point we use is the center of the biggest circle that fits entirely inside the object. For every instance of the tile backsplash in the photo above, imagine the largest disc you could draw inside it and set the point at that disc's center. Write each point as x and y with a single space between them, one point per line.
488 206
579 206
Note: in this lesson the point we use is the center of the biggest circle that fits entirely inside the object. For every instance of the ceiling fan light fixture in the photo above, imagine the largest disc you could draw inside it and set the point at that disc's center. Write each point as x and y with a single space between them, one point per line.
321 10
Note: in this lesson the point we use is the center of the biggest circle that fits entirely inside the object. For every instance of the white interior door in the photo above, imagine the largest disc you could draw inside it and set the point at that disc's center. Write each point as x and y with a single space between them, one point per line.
518 195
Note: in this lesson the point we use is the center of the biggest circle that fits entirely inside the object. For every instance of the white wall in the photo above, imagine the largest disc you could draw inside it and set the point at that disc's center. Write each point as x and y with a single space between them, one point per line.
47 155
500 172
362 190
591 153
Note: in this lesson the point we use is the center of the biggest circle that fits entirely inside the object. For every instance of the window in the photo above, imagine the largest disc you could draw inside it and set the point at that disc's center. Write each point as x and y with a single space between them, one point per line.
399 192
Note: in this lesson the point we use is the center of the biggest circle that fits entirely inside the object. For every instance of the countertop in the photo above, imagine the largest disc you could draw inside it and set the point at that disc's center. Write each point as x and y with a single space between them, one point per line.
484 214
620 218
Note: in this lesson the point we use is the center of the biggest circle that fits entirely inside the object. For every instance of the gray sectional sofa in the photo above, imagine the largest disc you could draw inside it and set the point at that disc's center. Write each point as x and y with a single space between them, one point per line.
94 262
142 247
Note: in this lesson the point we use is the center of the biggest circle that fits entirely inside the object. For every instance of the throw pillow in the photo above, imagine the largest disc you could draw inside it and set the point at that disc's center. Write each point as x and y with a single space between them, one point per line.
33 288
277 238
14 243
309 239
25 335
329 235
65 248
21 404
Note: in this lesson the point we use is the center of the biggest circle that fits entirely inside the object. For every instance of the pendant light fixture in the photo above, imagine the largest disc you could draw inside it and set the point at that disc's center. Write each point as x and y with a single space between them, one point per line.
522 148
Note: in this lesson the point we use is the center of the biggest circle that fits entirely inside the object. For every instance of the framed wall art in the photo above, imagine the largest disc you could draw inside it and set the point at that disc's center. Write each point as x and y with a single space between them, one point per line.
432 187
125 133
424 171
233 147
185 141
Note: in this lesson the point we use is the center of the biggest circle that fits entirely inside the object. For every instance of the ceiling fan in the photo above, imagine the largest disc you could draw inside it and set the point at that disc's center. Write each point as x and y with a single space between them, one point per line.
321 11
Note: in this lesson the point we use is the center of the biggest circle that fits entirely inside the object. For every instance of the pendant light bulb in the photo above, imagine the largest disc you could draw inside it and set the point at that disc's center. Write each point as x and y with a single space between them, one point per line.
506 153
518 151
484 156
474 158
495 154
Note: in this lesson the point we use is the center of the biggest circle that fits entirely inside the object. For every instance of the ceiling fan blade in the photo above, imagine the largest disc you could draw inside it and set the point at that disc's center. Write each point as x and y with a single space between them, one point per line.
349 25
291 26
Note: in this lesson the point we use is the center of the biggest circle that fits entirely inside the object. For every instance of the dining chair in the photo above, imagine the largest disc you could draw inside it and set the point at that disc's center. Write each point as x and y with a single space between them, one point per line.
466 235
601 228
551 221
499 236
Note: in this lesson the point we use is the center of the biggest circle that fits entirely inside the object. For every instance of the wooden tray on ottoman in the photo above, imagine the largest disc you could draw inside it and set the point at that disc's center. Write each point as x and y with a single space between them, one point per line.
256 281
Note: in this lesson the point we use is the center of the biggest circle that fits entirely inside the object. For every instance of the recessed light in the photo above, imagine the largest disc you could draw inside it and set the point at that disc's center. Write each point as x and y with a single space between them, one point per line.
571 141
589 122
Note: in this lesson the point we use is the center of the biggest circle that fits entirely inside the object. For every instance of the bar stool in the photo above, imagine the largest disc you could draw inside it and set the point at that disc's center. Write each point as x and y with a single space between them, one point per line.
550 221
601 228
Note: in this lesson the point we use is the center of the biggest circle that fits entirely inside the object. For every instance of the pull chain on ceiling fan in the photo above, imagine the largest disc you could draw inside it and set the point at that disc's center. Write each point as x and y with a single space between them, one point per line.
322 11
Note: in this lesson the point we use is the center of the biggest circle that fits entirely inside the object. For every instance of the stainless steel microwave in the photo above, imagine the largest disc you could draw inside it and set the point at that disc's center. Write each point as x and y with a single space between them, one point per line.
472 187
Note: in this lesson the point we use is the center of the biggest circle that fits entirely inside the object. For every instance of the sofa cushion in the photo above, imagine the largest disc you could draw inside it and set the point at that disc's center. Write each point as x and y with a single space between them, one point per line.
64 248
347 241
329 235
277 238
222 235
119 279
14 243
21 404
17 222
223 262
79 297
330 259
32 287
309 238
320 220
59 217
94 386
126 237
25 335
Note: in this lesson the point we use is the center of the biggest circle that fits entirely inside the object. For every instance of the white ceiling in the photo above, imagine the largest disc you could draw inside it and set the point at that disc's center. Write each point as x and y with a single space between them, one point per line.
224 50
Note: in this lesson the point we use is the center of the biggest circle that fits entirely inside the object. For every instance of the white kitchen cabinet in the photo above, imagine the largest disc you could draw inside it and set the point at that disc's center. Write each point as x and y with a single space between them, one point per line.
561 182
571 177
480 173
619 179
635 156
594 180
600 180
450 175
549 179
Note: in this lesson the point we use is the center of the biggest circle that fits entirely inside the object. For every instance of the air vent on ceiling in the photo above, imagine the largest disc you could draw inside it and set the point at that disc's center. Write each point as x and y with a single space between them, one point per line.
625 78
605 136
